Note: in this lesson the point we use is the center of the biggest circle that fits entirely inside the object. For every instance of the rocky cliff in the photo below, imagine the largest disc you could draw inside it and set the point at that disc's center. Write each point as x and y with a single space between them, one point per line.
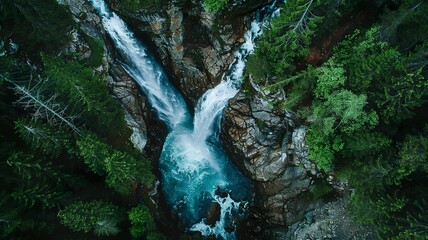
259 139
195 47
268 144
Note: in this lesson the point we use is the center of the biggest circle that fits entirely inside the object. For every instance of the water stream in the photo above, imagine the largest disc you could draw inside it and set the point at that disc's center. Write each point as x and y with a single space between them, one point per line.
196 173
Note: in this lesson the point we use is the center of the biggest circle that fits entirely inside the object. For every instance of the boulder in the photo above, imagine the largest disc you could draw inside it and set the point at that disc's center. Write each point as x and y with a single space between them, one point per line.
328 221
263 141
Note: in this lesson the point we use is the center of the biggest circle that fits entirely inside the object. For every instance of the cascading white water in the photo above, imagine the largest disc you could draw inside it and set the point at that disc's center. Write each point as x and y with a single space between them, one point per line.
142 67
196 172
207 119
213 102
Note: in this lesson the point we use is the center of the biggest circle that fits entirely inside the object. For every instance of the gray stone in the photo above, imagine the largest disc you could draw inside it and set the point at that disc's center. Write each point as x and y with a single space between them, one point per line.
329 221
257 136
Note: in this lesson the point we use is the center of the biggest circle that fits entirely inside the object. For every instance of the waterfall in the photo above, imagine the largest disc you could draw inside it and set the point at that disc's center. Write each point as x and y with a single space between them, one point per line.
142 67
196 173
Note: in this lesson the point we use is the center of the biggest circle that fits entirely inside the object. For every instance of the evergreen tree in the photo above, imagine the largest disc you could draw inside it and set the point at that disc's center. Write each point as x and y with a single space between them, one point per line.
86 94
94 153
143 224
35 24
97 216
41 136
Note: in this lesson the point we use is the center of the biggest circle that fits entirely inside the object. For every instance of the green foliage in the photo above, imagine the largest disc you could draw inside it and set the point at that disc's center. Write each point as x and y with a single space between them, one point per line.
143 224
330 78
379 210
41 136
381 196
97 216
321 189
406 26
28 168
215 5
94 152
334 16
347 109
402 95
41 193
360 104
416 223
87 94
16 219
258 66
140 5
340 115
97 51
321 149
123 169
69 116
395 89
413 154
29 186
363 144
287 39
41 182
418 59
379 59
35 24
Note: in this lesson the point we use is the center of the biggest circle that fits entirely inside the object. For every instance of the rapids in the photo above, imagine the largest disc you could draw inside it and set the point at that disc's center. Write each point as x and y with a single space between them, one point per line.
196 172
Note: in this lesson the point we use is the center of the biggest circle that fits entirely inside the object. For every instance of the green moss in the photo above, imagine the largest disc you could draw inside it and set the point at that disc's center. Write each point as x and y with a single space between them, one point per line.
260 123
141 5
321 189
97 51
215 5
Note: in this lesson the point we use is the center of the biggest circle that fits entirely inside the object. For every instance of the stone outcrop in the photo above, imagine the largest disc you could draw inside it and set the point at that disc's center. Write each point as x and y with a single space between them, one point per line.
194 46
256 131
126 90
269 146
327 221
121 85
89 23
141 119
265 143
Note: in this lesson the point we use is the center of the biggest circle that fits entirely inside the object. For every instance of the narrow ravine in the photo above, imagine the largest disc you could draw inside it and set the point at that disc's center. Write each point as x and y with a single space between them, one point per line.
196 173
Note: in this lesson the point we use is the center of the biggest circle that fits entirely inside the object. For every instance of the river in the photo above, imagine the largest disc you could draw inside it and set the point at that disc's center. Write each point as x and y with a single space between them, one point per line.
196 172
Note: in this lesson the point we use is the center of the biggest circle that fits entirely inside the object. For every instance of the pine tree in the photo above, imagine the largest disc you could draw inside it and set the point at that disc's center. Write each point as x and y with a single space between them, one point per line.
94 152
143 224
42 136
32 99
98 216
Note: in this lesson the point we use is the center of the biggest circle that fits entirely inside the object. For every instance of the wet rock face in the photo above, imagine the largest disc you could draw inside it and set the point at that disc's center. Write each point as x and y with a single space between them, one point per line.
148 133
270 147
255 132
194 46
126 91
145 137
259 139
88 23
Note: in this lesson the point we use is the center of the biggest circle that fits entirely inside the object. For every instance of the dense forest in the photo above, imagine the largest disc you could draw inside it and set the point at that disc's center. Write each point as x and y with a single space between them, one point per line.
66 162
354 71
